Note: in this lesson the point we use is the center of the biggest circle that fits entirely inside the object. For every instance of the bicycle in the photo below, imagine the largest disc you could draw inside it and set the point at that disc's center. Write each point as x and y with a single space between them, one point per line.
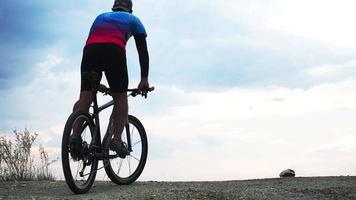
80 171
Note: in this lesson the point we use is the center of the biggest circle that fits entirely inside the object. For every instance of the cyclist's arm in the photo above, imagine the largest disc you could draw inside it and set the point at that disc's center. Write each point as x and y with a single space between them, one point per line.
141 46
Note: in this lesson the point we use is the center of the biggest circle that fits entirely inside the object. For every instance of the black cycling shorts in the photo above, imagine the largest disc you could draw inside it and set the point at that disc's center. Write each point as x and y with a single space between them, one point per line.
108 58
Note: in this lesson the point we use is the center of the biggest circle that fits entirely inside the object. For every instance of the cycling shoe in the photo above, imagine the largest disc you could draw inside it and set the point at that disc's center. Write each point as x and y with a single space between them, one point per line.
120 148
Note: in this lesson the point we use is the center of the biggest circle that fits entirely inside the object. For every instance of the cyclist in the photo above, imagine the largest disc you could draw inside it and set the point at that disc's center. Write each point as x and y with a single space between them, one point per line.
104 51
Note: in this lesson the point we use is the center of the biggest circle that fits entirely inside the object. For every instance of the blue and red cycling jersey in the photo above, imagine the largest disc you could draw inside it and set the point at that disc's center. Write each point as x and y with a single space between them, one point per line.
116 28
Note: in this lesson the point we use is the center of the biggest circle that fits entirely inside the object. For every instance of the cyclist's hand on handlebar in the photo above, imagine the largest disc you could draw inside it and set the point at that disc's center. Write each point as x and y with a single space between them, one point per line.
144 86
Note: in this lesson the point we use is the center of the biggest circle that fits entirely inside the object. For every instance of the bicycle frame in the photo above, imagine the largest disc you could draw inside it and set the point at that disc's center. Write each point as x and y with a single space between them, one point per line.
97 134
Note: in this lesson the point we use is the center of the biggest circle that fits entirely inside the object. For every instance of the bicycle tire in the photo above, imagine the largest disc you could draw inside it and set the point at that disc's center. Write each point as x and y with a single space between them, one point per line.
108 163
71 182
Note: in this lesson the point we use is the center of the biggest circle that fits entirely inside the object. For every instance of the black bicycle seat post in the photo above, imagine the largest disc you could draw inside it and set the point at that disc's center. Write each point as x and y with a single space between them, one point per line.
94 92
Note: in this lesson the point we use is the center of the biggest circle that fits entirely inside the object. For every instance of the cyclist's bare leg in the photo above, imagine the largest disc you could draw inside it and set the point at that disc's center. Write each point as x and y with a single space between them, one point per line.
84 102
119 114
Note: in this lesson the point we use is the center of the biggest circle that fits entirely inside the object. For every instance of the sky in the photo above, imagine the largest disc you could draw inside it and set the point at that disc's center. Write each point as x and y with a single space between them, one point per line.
244 88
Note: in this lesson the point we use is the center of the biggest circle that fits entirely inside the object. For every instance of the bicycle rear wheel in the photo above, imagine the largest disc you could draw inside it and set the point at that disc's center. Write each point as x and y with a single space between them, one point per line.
126 171
79 166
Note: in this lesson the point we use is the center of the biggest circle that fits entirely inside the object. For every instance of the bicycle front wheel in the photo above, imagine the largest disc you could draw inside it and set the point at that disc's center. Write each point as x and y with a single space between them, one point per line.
126 171
79 163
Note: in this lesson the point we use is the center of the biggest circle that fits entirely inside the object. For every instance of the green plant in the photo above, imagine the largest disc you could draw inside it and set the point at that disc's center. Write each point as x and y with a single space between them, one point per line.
16 161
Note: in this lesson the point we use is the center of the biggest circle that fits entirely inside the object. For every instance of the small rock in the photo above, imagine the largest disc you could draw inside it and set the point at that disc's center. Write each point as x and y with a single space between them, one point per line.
287 173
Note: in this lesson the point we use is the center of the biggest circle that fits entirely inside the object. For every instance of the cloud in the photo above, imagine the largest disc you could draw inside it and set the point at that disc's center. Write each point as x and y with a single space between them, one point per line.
34 28
247 103
197 49
334 71
234 40
20 40
43 98
326 21
228 134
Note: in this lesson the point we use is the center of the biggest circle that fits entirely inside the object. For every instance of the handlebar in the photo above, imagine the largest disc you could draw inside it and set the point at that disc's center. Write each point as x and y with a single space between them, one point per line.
134 92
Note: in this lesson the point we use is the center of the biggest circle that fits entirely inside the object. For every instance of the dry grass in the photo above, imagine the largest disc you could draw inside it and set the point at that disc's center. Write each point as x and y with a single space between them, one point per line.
16 161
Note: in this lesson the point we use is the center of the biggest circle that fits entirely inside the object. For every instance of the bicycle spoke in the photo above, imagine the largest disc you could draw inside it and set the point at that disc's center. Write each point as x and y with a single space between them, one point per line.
134 144
128 162
135 158
118 171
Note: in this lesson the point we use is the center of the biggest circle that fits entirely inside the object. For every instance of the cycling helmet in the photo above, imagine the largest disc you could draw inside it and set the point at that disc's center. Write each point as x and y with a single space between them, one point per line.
125 5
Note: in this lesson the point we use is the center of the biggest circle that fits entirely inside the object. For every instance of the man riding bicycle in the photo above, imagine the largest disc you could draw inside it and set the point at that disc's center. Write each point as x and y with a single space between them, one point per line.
105 52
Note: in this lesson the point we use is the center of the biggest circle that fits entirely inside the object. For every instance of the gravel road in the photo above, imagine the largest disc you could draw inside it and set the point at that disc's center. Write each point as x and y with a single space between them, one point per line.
337 188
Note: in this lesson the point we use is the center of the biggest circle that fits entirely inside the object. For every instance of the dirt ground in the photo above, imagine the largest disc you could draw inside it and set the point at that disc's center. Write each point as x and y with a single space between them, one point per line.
310 188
